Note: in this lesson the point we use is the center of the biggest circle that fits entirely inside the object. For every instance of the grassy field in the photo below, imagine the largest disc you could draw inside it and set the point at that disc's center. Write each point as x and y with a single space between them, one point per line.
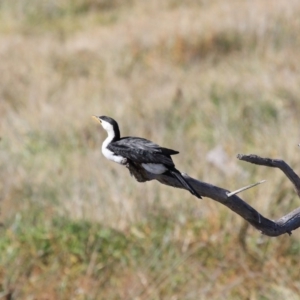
209 78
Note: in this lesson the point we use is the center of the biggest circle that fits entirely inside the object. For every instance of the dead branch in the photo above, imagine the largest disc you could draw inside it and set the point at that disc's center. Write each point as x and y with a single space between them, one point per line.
286 224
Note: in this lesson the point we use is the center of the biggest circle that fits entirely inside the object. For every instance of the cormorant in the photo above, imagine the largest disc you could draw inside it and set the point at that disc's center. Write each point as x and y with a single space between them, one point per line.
152 157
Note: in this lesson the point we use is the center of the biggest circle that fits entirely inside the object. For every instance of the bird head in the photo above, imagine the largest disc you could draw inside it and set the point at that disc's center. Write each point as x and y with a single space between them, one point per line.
109 124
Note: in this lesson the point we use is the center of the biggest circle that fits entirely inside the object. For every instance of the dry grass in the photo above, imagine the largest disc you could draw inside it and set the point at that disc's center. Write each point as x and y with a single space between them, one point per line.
190 76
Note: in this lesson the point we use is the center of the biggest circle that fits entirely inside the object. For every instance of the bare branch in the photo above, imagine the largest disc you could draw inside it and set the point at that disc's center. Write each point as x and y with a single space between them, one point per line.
274 163
286 224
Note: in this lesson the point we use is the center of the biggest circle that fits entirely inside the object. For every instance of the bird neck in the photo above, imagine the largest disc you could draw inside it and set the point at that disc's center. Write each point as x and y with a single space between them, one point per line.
116 134
113 135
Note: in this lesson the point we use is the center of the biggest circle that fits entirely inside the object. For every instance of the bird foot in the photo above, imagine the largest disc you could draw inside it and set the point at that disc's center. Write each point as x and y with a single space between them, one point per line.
124 161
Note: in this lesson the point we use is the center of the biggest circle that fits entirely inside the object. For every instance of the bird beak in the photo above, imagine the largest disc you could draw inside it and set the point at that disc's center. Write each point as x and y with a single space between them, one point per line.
97 118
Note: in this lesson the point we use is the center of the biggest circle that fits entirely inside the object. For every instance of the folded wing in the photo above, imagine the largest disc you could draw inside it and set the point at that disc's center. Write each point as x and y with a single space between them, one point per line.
142 151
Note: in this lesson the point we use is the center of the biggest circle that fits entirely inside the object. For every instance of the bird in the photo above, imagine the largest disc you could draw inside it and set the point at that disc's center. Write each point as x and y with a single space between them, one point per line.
150 156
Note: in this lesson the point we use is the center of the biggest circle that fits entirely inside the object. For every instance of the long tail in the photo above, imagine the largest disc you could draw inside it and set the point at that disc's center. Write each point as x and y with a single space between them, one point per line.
184 183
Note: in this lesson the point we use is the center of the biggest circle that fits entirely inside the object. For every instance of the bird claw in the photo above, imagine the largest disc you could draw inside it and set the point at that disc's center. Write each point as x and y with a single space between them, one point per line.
124 161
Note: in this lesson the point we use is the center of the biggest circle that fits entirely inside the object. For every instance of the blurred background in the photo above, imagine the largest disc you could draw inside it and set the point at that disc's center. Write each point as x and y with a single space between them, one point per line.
210 79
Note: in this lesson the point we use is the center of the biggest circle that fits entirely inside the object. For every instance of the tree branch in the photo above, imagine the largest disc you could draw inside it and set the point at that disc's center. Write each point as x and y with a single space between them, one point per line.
286 224
274 163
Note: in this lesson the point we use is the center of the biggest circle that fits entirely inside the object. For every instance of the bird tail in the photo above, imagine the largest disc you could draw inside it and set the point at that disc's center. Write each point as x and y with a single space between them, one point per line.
184 183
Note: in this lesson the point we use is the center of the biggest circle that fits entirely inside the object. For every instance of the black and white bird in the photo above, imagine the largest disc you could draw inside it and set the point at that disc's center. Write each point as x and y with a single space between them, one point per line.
153 158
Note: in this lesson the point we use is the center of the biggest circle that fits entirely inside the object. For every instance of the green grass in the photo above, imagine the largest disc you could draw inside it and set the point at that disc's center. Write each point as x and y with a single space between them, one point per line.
191 76
152 259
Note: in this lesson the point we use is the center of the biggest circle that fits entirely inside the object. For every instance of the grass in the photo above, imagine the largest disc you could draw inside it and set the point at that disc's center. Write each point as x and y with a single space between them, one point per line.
192 77
156 258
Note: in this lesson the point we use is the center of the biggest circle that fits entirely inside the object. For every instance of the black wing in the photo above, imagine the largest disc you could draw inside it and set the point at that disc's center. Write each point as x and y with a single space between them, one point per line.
142 151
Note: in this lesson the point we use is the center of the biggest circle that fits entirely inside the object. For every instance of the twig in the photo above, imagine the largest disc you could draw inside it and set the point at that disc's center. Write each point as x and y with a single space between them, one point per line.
245 188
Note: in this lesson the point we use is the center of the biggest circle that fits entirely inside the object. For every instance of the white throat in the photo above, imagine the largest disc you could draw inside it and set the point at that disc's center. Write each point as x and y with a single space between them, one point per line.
106 152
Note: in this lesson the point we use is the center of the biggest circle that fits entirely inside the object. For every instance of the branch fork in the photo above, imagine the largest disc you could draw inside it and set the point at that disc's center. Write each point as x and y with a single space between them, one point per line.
285 224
